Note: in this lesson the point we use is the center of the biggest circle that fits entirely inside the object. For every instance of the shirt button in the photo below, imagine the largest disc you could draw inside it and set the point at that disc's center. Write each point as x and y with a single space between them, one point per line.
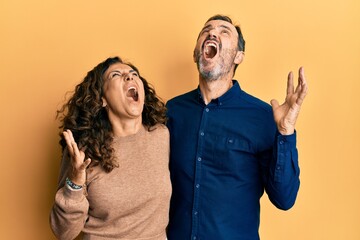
278 167
207 110
194 238
199 159
281 142
195 213
202 133
197 185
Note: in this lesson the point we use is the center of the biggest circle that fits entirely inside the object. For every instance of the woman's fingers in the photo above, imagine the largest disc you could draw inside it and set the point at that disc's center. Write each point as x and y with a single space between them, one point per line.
78 171
85 164
68 141
77 155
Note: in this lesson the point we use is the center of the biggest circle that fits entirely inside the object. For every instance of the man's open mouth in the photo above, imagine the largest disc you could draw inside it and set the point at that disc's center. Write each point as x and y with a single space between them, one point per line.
210 49
133 93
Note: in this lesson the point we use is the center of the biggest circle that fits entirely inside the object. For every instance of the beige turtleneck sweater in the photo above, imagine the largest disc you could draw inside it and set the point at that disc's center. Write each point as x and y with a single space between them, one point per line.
130 202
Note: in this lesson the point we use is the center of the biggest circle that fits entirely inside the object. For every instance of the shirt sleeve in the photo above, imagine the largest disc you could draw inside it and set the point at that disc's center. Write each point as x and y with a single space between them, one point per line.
70 209
281 175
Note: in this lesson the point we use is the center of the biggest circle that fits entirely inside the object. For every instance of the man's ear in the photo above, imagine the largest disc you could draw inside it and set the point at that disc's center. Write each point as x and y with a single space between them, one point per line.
194 58
239 57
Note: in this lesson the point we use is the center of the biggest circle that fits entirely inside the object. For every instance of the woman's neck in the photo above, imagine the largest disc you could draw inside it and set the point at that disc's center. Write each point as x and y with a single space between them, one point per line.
125 128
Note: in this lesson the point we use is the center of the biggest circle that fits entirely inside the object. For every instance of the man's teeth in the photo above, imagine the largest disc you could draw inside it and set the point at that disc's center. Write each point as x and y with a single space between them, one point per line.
210 49
211 45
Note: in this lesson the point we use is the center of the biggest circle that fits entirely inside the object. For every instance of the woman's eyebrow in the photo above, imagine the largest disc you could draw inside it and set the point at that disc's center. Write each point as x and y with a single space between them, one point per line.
113 71
117 71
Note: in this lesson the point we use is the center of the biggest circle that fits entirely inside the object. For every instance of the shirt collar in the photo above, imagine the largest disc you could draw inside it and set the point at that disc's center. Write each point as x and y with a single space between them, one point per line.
226 97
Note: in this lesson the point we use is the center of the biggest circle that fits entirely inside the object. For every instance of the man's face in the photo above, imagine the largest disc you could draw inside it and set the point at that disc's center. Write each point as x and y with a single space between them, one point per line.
216 49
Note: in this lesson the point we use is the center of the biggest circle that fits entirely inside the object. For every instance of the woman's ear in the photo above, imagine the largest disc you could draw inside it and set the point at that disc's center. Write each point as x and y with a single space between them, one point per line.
239 57
104 103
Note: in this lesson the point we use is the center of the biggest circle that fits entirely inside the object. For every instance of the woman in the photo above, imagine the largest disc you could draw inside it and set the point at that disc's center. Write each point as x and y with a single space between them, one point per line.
114 179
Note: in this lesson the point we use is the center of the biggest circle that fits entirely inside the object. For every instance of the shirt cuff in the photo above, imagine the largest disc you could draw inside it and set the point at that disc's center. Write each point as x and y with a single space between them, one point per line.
285 145
286 142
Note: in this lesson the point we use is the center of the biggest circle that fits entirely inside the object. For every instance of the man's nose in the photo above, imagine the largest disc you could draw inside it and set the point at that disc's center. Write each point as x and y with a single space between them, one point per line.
213 33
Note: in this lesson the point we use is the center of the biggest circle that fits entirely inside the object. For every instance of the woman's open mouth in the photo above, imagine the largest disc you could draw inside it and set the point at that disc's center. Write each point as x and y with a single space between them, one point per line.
133 93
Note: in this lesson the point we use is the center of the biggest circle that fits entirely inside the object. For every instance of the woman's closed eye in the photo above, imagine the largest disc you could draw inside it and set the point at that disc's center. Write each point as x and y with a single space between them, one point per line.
115 74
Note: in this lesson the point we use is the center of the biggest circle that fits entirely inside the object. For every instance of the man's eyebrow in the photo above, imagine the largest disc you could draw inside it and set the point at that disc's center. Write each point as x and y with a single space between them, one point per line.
209 26
224 26
206 27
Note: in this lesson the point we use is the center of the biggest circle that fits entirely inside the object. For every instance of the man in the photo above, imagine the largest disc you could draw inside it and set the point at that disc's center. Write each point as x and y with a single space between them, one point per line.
227 146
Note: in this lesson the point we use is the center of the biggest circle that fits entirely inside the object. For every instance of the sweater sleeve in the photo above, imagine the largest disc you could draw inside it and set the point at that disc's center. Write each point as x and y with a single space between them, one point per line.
70 209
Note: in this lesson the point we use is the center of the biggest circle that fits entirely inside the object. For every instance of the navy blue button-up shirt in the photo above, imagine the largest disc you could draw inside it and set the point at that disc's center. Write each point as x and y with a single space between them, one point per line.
223 156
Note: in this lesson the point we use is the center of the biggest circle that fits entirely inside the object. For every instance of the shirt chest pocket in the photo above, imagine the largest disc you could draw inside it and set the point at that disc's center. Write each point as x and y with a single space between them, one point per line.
232 153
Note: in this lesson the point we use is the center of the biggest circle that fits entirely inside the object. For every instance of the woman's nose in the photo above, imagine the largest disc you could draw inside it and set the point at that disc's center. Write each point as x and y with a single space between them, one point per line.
128 77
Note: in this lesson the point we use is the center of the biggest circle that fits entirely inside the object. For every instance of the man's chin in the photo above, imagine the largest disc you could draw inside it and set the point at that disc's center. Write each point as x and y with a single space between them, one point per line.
209 75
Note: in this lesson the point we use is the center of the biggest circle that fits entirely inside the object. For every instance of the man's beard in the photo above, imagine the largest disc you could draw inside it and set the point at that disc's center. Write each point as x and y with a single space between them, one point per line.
212 74
222 68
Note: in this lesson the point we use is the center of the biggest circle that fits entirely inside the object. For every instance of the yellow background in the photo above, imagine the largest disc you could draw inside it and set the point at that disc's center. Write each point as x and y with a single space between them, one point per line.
46 48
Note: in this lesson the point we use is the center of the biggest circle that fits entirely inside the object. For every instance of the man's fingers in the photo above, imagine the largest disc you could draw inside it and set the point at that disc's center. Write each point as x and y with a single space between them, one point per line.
300 80
303 89
290 84
302 95
301 75
274 103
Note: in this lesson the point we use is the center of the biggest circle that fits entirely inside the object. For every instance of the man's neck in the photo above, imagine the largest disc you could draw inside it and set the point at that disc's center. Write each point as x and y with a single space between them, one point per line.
215 88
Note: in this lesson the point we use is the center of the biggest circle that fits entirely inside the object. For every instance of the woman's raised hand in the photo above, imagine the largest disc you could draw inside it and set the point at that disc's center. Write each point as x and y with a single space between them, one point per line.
78 162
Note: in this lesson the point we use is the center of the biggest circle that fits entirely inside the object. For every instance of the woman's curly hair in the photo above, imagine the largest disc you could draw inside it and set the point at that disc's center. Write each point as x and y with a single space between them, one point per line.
85 116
